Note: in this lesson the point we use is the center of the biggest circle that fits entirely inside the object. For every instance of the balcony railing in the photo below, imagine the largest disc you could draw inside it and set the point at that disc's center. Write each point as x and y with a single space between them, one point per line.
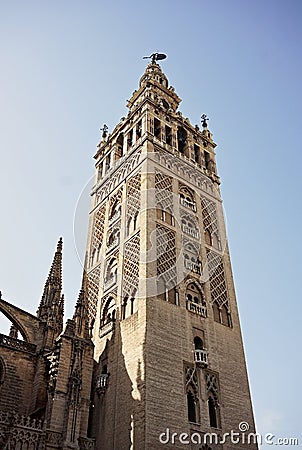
107 328
187 204
194 267
196 308
201 356
190 231
17 344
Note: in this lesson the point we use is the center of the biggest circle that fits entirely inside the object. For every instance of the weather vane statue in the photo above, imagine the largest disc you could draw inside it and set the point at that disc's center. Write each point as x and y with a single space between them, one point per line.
204 120
156 57
104 131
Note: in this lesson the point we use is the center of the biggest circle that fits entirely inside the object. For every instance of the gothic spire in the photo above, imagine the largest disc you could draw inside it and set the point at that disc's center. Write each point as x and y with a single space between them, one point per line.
52 302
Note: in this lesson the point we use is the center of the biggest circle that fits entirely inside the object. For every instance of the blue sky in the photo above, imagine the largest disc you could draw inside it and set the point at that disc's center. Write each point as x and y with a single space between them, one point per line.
68 67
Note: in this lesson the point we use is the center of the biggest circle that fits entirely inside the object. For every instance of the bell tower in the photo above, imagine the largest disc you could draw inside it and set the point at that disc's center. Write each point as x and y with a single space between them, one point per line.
170 365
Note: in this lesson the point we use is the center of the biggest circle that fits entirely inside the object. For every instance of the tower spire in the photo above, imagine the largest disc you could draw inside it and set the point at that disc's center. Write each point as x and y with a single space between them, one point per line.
51 306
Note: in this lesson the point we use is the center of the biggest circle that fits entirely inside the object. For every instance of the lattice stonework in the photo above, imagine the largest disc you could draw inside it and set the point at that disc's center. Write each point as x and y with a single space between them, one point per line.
93 282
131 265
98 228
209 215
163 191
166 253
116 198
217 278
133 196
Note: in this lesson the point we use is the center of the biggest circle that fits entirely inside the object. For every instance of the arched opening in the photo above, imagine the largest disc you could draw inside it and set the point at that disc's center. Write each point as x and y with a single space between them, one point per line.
216 312
119 146
225 316
198 343
109 312
212 412
194 294
208 237
181 139
191 405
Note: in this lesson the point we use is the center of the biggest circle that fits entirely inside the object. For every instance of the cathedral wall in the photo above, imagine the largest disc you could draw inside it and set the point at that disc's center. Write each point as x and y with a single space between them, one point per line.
16 390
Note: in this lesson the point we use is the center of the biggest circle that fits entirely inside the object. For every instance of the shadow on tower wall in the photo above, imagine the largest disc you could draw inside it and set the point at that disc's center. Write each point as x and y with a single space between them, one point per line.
117 415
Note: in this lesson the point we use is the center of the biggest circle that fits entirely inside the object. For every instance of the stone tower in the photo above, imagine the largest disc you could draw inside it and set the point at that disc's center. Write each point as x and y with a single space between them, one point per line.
161 303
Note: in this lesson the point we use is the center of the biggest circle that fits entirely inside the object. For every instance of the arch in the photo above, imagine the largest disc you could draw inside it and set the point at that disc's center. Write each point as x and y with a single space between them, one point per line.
8 310
191 405
225 315
186 198
198 343
212 411
194 293
208 237
108 311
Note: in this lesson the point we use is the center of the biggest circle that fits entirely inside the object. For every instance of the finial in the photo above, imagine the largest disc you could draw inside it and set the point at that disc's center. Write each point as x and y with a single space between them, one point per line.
60 245
105 131
204 120
156 57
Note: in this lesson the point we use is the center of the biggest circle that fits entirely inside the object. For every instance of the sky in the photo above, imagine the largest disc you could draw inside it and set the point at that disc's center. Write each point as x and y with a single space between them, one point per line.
68 67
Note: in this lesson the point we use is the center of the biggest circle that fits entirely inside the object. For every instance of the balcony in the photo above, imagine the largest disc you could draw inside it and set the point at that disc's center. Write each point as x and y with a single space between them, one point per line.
102 383
196 308
201 356
187 204
194 267
107 328
190 231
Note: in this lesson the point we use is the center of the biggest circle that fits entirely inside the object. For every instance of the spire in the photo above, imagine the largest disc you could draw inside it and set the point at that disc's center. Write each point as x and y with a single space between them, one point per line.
80 316
51 307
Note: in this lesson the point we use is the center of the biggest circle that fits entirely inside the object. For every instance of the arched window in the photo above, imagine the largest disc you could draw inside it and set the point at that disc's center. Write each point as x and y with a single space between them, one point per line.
186 198
166 291
115 212
190 227
212 412
114 238
191 259
198 344
119 146
109 312
181 140
216 312
194 294
111 273
191 404
225 316
208 237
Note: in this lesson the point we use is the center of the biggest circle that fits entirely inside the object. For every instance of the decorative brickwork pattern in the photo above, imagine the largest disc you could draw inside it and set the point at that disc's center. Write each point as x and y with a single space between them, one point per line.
166 254
93 282
133 196
163 191
131 265
217 279
98 228
209 215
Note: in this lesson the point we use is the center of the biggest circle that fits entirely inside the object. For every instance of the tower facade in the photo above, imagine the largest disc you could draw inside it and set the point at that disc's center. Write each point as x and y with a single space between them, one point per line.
169 359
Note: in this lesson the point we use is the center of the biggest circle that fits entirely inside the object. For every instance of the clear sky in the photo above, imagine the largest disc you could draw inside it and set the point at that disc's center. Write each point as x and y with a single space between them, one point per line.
67 67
